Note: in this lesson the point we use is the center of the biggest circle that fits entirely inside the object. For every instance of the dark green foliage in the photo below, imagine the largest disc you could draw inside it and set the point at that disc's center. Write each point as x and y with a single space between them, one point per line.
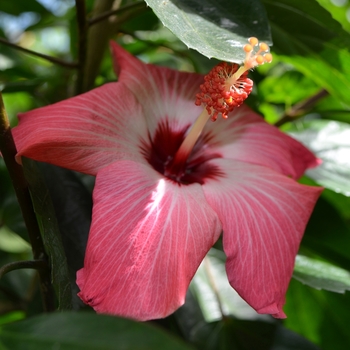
311 44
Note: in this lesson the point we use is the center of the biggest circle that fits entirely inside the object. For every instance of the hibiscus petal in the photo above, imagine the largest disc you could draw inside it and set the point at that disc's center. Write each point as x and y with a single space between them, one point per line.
245 136
147 239
86 132
264 215
164 93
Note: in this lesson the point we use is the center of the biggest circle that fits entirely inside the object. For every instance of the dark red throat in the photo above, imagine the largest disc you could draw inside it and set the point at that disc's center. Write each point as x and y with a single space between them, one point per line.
160 151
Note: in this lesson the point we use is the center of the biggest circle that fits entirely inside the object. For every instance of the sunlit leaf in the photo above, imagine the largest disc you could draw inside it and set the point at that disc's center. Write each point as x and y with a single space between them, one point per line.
12 317
214 293
330 141
338 10
306 36
11 242
287 88
321 275
15 103
215 28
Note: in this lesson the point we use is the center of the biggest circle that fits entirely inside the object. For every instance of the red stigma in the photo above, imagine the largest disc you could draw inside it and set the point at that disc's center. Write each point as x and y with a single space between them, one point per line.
219 95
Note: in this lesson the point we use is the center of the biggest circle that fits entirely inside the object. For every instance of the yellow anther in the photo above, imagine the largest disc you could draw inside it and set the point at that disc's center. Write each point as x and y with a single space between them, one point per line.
268 57
254 41
264 47
248 48
259 59
254 57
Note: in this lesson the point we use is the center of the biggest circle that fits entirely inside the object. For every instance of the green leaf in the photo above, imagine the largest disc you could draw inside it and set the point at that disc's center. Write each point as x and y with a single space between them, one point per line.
11 242
50 233
331 108
215 28
21 85
84 331
321 275
12 317
321 316
73 205
306 36
236 334
338 12
330 141
15 103
146 20
340 202
17 7
327 235
281 88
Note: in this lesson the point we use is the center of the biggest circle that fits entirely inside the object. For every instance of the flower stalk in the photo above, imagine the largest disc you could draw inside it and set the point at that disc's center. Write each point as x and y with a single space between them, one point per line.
9 151
55 60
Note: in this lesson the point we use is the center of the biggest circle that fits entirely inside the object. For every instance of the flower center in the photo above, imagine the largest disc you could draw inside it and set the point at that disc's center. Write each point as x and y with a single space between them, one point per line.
161 150
183 159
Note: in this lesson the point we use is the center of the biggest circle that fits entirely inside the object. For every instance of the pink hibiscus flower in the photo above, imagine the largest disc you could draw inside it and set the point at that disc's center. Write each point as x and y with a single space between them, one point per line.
152 223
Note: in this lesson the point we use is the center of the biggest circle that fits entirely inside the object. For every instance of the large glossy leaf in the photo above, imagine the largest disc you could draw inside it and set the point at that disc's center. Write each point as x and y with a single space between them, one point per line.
73 204
215 28
243 335
330 141
50 233
307 36
86 331
321 275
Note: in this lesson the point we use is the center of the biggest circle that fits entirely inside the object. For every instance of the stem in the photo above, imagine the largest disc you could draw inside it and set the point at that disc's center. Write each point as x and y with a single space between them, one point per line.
105 15
300 108
102 30
41 55
207 267
17 265
82 48
98 37
8 150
